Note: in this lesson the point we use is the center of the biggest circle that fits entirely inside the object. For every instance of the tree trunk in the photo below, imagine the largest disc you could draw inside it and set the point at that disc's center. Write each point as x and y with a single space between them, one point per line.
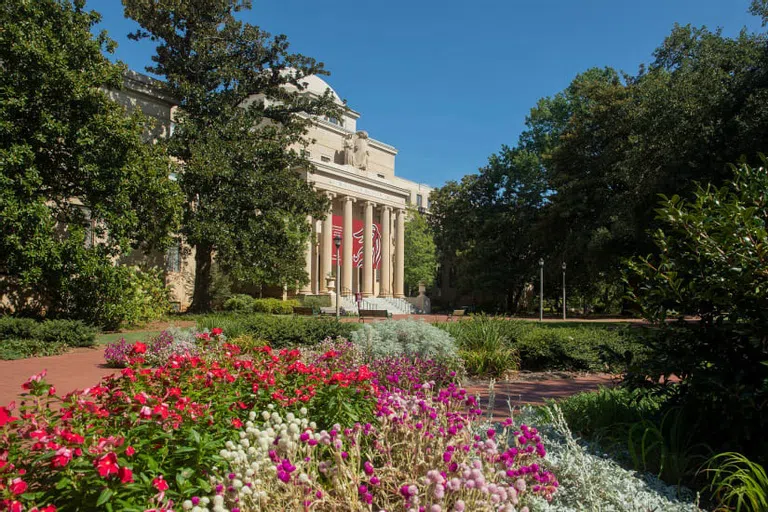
201 297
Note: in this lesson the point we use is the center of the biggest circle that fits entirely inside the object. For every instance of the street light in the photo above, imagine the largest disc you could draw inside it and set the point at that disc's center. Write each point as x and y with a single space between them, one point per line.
337 243
563 290
541 289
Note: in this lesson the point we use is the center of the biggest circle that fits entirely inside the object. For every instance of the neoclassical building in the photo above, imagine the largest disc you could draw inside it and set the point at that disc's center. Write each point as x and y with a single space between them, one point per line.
357 172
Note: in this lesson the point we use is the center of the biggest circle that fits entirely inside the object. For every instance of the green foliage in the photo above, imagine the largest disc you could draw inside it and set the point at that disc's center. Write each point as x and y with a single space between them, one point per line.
738 483
404 337
545 347
72 333
316 301
420 256
79 182
279 331
245 199
485 346
711 264
24 348
19 328
243 303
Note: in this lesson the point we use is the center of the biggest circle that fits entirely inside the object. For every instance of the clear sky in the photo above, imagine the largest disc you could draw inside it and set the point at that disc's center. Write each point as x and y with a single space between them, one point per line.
448 82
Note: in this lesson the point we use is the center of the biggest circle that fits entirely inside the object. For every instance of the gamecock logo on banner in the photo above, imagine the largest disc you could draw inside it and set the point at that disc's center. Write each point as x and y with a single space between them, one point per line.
358 246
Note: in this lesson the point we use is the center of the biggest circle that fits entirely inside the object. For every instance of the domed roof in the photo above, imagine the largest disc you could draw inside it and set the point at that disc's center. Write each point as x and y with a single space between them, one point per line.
314 85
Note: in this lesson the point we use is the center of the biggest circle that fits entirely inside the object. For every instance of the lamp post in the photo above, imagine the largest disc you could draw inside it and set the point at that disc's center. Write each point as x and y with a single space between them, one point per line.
541 289
564 291
337 243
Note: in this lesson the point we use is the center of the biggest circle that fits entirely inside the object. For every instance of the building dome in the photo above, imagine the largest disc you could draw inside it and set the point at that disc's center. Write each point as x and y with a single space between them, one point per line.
315 85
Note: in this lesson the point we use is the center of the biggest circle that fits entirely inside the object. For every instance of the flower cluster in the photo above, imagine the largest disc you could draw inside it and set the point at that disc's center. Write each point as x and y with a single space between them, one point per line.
265 429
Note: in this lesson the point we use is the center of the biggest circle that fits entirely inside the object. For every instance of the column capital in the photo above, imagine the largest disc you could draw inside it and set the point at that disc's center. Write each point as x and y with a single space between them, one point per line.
386 207
330 195
370 203
349 198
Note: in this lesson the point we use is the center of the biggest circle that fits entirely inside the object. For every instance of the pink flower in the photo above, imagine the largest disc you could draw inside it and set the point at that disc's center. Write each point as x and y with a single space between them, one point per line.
18 486
216 331
130 451
126 475
106 464
160 484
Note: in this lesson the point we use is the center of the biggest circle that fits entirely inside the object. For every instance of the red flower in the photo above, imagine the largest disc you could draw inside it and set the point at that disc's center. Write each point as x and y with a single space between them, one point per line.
130 451
139 348
5 416
160 484
216 331
18 486
16 506
237 423
126 475
62 458
49 508
106 465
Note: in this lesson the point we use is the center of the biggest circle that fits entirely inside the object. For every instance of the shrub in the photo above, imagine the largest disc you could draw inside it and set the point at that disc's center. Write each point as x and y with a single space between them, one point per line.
73 333
485 342
241 303
484 346
274 306
279 331
22 349
316 301
404 337
19 328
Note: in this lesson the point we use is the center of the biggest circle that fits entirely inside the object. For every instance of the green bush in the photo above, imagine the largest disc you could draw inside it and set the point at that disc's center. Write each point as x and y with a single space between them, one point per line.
241 303
316 301
24 348
484 345
19 328
73 333
542 347
279 331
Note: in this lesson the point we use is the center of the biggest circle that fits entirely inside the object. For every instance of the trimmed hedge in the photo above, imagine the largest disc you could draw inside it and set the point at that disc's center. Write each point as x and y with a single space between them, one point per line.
279 331
243 303
72 333
551 347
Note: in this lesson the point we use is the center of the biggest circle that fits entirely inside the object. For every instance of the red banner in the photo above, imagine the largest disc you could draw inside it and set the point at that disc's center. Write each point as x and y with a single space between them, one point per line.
358 230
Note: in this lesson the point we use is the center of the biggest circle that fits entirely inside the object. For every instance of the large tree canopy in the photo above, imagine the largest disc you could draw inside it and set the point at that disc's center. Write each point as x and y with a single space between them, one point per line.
241 110
420 258
79 184
594 158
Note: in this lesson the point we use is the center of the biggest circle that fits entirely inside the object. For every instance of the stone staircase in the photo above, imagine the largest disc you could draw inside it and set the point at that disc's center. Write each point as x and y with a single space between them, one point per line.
392 305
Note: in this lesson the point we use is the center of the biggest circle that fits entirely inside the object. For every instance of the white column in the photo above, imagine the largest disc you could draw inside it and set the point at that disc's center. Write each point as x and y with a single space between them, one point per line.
400 255
368 251
346 260
307 288
386 253
326 247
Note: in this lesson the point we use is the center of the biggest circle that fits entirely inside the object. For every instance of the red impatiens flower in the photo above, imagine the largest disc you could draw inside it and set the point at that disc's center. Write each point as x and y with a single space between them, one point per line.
49 508
126 475
160 484
130 451
237 423
216 331
107 464
18 486
62 457
5 416
139 348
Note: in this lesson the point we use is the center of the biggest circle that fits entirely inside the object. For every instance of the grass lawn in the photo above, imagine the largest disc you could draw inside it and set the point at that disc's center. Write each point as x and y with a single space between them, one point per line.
131 336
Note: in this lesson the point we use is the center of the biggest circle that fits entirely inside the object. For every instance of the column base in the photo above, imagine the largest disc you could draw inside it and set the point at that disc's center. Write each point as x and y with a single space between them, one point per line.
345 292
385 295
368 294
399 295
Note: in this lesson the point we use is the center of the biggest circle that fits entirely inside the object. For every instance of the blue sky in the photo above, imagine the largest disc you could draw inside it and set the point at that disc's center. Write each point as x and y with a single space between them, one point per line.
448 82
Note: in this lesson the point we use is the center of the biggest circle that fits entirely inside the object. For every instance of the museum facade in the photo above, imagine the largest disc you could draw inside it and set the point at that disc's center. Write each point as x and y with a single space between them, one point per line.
368 202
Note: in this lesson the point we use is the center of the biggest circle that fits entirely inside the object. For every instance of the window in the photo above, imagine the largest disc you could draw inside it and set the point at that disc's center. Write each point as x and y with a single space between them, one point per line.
381 176
333 120
429 203
173 258
419 200
90 234
325 158
305 153
408 200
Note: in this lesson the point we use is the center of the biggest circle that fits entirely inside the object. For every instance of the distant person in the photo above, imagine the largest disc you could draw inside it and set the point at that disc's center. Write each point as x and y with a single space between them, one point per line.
358 299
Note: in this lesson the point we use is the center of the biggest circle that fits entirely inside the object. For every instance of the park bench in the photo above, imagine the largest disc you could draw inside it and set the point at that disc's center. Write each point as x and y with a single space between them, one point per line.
303 311
457 313
329 311
373 313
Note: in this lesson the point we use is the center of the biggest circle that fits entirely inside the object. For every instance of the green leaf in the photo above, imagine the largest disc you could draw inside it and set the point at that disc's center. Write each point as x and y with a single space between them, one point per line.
104 497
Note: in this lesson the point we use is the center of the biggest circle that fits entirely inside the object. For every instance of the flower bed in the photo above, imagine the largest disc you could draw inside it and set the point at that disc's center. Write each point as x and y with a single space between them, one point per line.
233 426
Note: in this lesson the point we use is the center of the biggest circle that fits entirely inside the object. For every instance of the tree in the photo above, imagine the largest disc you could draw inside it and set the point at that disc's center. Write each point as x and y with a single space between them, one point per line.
79 185
241 113
711 263
420 257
